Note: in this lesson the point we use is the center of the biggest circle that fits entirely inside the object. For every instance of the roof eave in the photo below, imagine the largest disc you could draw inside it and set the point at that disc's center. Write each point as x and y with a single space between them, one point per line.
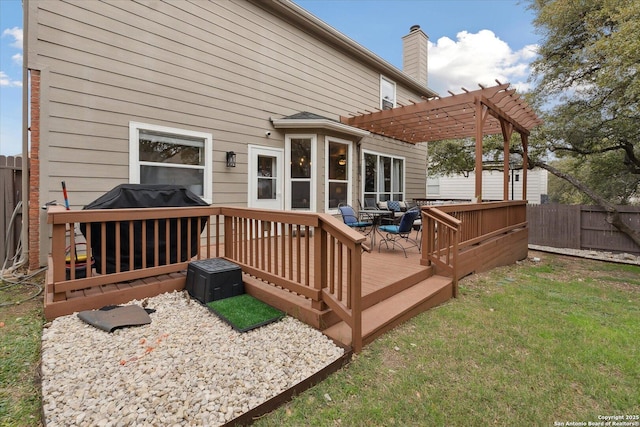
319 124
312 23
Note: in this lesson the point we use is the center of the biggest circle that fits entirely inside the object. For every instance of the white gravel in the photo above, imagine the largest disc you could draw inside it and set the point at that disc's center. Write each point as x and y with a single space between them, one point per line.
185 368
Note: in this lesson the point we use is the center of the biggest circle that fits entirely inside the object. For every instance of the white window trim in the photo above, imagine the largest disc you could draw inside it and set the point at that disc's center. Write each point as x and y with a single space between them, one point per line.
392 157
395 97
349 171
134 152
314 168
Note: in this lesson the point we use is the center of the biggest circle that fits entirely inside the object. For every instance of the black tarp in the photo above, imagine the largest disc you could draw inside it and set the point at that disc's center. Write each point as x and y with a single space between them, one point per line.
144 196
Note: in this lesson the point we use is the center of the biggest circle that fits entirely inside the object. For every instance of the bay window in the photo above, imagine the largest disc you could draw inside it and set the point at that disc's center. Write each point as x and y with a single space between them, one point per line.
338 167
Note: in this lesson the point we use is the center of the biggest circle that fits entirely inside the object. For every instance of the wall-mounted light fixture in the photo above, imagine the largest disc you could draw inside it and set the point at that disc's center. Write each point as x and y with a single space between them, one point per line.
231 159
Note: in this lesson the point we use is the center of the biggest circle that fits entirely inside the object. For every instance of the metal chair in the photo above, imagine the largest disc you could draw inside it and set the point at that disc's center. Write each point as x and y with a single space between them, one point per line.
352 219
397 233
370 203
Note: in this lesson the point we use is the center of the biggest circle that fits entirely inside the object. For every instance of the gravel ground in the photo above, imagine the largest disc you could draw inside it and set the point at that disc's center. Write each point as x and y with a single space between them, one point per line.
185 368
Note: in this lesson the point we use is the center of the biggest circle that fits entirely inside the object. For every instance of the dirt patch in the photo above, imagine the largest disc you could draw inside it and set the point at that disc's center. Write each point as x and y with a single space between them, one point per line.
26 299
556 267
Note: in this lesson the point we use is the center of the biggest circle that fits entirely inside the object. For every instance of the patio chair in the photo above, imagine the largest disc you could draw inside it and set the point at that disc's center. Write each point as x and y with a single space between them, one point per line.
395 212
370 203
352 219
395 234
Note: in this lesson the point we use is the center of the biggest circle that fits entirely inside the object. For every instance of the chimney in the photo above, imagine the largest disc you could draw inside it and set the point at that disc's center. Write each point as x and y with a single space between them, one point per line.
414 54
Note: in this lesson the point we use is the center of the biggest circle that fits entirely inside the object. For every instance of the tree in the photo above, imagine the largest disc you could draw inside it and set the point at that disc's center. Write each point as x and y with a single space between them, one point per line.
588 69
589 64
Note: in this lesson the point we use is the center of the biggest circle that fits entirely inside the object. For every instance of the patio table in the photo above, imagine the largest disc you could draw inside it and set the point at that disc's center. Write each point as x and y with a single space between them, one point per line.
377 215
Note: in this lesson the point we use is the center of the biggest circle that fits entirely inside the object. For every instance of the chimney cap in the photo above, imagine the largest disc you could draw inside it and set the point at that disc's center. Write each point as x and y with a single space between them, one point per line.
414 28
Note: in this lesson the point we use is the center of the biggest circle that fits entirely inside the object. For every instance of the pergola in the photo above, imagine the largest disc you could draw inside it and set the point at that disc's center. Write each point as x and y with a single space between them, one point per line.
486 111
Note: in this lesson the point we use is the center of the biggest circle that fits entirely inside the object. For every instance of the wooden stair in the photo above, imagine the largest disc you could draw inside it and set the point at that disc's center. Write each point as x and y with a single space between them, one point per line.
396 309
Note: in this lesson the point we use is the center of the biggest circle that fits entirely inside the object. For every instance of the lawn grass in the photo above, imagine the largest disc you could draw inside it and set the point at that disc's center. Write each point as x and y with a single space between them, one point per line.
533 344
20 332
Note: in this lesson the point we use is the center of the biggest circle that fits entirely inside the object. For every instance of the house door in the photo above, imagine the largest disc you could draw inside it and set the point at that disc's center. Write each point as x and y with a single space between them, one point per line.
266 171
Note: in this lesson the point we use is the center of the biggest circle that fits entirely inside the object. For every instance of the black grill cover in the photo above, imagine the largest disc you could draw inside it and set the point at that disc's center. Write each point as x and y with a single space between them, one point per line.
144 196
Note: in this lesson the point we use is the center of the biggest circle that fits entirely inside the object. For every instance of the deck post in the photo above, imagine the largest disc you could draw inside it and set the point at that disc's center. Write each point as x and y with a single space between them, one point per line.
229 251
454 263
58 252
320 265
355 285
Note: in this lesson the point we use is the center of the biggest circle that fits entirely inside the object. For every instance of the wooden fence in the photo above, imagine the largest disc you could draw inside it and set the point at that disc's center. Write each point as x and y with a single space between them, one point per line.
10 195
581 227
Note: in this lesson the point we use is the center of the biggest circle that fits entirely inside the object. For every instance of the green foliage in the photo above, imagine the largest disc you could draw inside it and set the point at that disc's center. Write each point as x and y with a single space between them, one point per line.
453 157
589 67
604 173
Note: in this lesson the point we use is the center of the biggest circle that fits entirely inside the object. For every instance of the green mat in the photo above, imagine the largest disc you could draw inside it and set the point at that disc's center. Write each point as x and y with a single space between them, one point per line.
244 312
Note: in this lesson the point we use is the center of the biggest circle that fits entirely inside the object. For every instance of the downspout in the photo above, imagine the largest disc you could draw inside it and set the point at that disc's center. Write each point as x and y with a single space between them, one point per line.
24 235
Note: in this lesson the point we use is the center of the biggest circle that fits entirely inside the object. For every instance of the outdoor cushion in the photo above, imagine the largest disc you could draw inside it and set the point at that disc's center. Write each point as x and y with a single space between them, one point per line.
393 205
350 218
389 228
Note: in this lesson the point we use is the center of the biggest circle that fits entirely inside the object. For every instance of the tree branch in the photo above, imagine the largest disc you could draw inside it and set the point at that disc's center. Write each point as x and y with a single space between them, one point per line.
613 216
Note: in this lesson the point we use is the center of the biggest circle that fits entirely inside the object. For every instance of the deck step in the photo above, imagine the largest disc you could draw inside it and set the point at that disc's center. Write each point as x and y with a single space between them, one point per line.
387 314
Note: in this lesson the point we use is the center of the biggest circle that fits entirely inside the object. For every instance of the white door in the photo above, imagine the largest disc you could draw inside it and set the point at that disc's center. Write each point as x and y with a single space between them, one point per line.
266 172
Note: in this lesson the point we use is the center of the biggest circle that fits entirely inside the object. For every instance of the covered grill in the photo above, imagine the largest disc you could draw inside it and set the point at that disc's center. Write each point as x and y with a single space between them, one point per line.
144 196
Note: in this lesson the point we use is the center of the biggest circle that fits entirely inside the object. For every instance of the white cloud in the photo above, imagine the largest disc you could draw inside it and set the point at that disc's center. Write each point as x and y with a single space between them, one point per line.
480 58
17 59
6 81
16 33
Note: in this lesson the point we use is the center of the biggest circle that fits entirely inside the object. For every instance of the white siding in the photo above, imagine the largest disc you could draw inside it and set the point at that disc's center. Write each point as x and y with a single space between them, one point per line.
461 187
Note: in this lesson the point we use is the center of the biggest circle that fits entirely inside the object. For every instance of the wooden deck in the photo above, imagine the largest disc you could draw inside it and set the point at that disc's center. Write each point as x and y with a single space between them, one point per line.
310 265
394 289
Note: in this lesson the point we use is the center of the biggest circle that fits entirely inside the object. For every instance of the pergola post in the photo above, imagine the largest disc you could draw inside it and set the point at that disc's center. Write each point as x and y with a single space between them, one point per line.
525 164
479 132
507 131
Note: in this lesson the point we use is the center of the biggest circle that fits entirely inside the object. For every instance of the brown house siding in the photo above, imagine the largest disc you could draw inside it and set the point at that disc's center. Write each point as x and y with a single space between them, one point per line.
223 68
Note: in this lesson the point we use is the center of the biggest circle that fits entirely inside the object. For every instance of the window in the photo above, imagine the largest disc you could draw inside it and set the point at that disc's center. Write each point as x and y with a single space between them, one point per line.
267 176
301 172
163 155
387 94
338 155
433 185
383 177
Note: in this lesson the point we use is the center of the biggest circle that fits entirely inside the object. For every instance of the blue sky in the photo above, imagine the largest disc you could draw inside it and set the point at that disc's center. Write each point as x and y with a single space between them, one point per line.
471 42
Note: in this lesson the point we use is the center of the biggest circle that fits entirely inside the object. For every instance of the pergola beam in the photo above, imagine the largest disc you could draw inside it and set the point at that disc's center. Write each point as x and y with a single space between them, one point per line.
472 114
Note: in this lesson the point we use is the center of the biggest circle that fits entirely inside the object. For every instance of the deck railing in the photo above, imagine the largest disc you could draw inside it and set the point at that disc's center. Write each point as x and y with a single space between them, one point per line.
482 221
450 229
440 241
274 246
